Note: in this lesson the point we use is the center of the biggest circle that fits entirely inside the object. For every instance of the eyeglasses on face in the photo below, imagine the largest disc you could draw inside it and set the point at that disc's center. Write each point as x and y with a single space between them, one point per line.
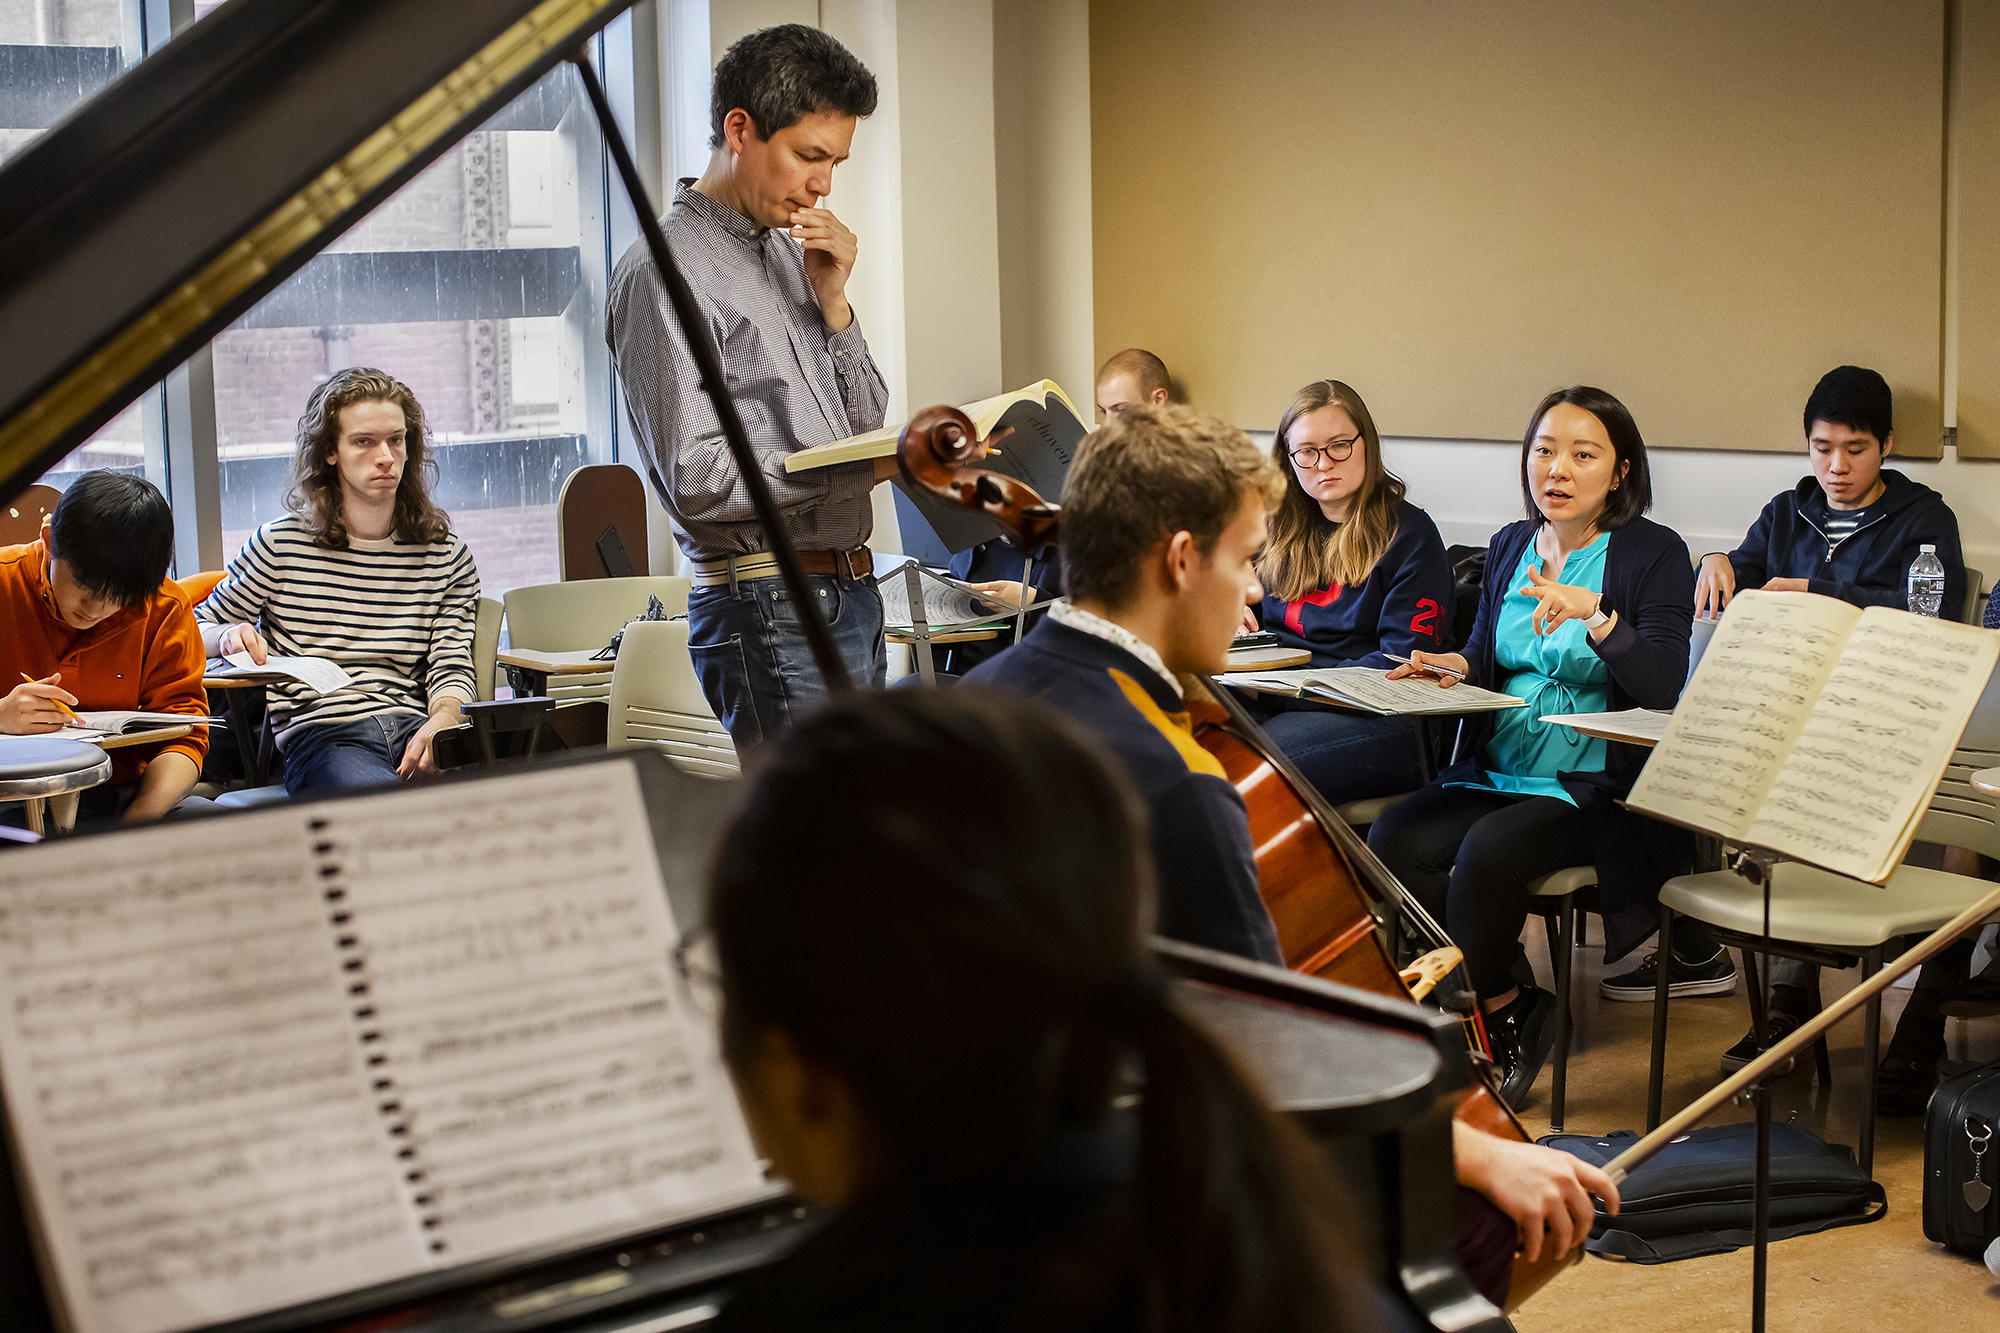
1333 451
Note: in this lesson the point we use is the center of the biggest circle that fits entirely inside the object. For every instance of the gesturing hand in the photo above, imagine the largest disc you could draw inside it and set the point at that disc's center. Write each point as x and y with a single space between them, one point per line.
1560 602
830 249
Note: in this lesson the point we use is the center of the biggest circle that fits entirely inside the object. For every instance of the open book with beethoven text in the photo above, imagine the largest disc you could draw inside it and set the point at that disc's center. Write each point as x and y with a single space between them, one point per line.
1818 730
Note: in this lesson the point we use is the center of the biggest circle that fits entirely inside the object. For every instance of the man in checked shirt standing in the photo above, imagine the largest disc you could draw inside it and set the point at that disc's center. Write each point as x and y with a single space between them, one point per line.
769 267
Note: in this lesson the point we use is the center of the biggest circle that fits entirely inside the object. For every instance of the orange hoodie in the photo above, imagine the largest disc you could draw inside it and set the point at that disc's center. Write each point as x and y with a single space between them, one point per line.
148 656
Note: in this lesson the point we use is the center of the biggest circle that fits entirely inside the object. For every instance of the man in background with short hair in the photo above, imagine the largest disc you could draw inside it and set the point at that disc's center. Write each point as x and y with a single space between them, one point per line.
769 267
87 612
1132 378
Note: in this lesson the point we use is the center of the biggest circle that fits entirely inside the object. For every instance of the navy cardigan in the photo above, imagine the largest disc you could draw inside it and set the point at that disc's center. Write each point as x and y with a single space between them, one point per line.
1649 582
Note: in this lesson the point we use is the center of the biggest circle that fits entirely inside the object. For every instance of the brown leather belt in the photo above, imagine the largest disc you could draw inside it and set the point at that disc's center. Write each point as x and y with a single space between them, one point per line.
858 563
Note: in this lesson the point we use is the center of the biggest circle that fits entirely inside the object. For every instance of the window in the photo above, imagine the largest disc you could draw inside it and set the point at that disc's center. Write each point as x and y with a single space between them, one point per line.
480 284
53 55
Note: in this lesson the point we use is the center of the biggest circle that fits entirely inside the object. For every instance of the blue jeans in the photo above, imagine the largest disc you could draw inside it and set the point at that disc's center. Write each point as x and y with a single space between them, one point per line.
1348 756
754 662
321 760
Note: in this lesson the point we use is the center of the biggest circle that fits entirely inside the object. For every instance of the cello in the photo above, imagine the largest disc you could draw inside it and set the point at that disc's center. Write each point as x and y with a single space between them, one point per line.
1329 896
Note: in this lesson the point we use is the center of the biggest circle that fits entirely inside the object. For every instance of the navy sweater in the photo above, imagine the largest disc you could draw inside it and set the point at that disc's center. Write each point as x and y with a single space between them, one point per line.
1872 566
1404 603
1201 830
1649 582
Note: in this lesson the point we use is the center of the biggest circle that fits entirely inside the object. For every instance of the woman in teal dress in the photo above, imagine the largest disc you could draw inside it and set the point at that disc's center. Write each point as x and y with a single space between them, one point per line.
1585 607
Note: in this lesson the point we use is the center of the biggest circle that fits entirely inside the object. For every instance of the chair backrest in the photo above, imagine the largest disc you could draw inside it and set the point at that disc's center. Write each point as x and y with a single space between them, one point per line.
656 700
486 644
604 495
21 517
199 586
1975 605
564 617
1958 815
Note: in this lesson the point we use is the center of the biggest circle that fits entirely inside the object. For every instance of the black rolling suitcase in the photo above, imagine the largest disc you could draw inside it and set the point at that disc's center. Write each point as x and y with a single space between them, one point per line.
1962 1161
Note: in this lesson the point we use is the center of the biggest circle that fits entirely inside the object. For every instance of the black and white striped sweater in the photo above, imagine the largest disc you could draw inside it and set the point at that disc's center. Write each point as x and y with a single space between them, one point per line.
397 616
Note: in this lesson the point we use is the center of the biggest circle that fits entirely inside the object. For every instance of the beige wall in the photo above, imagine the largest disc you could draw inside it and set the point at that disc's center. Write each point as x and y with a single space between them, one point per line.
1041 113
1976 233
1457 206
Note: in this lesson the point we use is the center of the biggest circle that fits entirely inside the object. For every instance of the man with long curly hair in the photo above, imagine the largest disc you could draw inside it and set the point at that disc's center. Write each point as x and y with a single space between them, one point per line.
364 571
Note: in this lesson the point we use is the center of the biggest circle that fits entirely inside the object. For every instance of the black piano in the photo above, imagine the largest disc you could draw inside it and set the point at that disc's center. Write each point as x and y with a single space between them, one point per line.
168 205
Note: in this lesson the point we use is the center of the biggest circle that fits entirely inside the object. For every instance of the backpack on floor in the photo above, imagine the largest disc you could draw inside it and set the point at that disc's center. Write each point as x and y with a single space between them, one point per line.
1962 1161
1694 1197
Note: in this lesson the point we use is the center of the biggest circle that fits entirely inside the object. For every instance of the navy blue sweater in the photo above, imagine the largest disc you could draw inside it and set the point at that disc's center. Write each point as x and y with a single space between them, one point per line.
1404 603
1872 566
1201 830
1649 582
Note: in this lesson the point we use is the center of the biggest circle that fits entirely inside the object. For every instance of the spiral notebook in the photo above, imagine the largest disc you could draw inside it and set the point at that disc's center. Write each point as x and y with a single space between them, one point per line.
256 1061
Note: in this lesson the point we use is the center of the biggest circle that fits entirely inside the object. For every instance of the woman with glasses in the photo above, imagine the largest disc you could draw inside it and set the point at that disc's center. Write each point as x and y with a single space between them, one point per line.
1585 607
945 1027
1352 573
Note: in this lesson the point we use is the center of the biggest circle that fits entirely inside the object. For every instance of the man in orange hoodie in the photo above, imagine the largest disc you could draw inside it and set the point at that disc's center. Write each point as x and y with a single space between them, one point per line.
88 613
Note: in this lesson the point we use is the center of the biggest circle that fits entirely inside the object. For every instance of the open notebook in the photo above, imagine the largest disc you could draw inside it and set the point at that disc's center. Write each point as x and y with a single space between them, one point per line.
255 1061
1817 730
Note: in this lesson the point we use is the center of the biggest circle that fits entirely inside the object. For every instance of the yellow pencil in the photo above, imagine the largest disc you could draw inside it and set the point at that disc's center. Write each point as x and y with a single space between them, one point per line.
67 711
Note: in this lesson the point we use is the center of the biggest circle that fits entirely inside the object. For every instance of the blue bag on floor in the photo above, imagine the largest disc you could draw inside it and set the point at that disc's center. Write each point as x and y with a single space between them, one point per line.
1694 1197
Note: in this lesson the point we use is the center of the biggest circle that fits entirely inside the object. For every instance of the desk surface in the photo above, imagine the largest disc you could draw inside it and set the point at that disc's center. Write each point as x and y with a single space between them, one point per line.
1643 731
943 637
243 680
1986 780
1267 659
577 663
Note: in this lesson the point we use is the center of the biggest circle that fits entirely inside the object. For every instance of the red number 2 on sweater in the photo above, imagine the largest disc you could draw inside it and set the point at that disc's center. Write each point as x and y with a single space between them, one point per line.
1425 620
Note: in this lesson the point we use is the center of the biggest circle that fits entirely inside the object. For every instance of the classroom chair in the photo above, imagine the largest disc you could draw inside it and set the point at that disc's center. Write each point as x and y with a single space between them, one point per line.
1826 919
656 700
597 502
572 617
1561 899
21 517
1975 604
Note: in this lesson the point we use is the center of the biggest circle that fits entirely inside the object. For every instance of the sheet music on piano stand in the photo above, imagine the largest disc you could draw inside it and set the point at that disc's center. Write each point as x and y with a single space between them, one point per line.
255 1062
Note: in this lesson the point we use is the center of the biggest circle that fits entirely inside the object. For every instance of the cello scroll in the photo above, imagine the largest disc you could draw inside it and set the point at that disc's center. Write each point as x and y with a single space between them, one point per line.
933 451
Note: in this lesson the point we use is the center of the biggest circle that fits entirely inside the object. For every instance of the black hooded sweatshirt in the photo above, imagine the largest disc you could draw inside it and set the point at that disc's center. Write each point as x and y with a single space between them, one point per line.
1871 566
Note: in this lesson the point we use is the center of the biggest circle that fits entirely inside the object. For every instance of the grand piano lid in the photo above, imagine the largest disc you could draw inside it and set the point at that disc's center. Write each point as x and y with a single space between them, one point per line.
165 207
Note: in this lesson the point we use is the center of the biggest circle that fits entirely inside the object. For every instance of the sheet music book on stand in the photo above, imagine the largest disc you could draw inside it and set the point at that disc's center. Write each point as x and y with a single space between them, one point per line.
255 1062
949 603
1370 690
1817 730
1046 429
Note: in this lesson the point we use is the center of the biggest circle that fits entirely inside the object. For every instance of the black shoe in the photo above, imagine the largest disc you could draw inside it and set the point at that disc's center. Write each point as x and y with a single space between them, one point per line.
1743 1052
1903 1086
1521 1035
1717 976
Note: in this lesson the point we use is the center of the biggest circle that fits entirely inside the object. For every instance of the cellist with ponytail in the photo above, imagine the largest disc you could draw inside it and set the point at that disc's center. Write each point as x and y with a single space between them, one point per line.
948 1030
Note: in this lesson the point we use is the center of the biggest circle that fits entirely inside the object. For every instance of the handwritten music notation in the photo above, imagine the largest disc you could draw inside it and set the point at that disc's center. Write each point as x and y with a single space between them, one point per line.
1817 729
184 1079
547 1074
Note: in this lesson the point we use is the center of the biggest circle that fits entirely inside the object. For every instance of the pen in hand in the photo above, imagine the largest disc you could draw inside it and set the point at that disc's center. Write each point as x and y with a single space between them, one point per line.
1430 668
68 712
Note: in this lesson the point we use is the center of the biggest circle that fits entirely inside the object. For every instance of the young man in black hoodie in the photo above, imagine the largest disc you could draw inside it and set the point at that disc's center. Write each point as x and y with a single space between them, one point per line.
1850 531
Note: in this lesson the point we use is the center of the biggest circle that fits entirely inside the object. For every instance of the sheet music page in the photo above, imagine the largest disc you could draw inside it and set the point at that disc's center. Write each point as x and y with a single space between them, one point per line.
1877 740
1371 688
1739 716
550 1073
184 1079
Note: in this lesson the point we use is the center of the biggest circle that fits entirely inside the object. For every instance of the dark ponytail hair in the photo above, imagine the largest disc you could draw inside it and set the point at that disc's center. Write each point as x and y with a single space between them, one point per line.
946 898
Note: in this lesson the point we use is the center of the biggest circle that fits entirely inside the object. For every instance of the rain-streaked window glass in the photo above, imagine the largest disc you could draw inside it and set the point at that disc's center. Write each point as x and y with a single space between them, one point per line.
53 55
480 284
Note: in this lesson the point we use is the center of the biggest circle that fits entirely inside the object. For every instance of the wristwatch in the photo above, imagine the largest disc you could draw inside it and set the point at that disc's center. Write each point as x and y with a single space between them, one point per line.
1596 617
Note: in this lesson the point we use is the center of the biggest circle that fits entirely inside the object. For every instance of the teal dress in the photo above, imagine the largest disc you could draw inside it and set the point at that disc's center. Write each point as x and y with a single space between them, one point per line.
1556 673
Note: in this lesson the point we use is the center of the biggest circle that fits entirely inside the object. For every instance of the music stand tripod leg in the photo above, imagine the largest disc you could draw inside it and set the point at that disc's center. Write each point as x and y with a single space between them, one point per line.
920 627
1027 595
1754 863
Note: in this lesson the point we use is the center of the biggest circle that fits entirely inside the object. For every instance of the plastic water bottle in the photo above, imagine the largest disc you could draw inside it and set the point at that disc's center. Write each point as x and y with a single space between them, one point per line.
1926 582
